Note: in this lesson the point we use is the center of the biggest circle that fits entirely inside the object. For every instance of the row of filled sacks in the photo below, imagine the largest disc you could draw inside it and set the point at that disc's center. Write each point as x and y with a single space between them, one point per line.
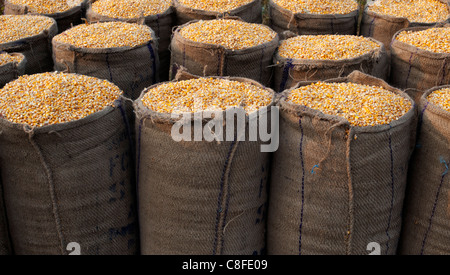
223 166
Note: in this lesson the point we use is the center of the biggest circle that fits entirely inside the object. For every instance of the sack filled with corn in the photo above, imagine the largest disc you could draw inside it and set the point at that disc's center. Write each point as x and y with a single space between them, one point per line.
31 36
5 241
314 17
67 13
420 57
67 166
11 67
339 177
225 47
159 15
383 18
426 222
124 53
188 10
321 57
202 189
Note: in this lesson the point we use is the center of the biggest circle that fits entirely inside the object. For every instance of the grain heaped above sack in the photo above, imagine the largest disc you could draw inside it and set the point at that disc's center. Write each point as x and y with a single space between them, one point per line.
200 196
338 178
188 10
421 57
321 57
66 166
314 17
66 13
225 47
383 18
157 14
31 36
123 53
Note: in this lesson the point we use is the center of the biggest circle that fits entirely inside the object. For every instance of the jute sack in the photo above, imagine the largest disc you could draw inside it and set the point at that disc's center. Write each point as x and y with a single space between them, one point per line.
5 243
426 223
415 68
161 24
282 20
337 189
69 185
12 70
132 69
383 27
215 60
199 197
65 20
251 12
37 49
289 71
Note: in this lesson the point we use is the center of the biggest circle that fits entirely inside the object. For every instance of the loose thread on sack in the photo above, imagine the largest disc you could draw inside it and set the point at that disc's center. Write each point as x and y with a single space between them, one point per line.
433 211
302 187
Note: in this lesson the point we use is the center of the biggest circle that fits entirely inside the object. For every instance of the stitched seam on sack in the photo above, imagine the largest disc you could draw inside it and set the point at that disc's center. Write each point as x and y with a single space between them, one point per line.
392 190
303 188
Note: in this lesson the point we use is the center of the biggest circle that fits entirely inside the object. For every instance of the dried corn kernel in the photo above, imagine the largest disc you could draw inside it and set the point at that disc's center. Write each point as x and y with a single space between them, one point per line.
434 39
326 47
16 27
205 94
51 98
6 58
129 9
46 6
106 35
231 34
440 98
215 5
422 11
361 105
319 6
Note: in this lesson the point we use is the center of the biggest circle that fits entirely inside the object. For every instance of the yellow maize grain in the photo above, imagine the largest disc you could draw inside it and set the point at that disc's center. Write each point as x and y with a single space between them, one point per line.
422 11
435 40
106 35
206 94
326 47
214 5
16 27
319 6
51 98
361 105
129 9
440 98
231 34
47 6
6 58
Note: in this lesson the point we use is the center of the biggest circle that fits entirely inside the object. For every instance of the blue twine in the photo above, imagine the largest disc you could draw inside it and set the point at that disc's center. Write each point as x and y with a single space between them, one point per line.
152 53
284 79
303 189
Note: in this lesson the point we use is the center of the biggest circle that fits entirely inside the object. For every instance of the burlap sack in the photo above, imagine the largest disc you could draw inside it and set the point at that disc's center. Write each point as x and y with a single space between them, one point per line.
161 24
199 197
214 60
288 71
426 223
132 69
65 20
383 27
12 70
37 50
335 189
70 182
282 20
5 242
251 12
415 68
